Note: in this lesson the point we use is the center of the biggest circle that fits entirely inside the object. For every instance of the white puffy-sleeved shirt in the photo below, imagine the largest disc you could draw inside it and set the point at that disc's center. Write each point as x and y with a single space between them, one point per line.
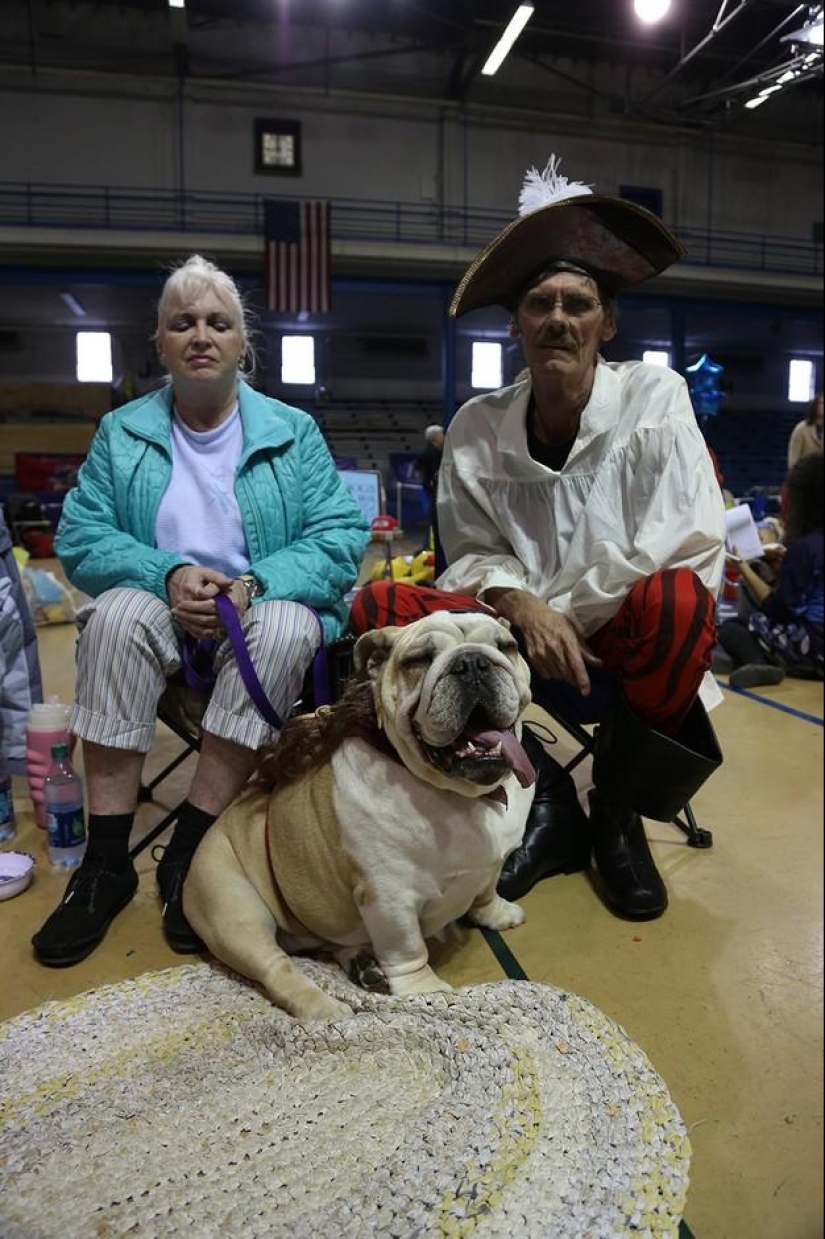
636 494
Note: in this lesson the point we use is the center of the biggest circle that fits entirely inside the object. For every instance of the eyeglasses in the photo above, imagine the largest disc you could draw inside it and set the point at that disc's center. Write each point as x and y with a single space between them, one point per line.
573 305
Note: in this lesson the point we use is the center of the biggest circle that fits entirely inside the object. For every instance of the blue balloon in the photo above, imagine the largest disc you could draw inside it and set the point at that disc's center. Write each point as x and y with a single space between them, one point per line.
703 385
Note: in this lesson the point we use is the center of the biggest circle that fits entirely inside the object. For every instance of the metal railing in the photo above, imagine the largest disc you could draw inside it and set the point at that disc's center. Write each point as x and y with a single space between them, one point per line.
32 205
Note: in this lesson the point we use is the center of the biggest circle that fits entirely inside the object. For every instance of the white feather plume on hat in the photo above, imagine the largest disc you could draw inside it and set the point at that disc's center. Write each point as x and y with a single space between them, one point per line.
542 188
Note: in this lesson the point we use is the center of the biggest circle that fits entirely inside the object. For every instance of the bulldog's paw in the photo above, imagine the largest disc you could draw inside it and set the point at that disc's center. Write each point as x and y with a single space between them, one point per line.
498 914
424 981
322 1007
365 970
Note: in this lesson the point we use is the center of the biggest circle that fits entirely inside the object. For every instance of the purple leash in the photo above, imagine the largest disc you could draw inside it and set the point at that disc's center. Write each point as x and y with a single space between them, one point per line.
202 679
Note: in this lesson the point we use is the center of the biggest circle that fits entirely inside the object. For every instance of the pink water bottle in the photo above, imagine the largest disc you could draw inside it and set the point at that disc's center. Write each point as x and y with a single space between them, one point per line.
47 725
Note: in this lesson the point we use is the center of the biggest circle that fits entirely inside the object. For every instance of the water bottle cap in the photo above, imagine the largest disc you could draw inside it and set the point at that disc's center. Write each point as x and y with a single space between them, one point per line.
60 750
49 716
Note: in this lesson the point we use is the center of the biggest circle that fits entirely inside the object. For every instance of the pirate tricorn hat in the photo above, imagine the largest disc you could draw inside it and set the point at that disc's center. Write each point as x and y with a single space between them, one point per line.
618 243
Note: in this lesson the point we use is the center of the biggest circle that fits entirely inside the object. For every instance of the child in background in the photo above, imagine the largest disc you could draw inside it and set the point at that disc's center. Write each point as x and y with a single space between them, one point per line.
784 633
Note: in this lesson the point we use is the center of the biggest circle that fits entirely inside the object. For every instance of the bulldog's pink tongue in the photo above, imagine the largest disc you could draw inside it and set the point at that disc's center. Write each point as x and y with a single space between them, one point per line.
514 754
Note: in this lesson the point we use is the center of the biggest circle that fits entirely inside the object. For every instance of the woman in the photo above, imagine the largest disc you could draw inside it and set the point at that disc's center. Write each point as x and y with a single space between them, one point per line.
784 633
203 488
806 437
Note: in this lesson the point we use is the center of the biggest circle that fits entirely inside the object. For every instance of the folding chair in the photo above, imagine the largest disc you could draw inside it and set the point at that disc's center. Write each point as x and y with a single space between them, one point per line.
561 707
182 709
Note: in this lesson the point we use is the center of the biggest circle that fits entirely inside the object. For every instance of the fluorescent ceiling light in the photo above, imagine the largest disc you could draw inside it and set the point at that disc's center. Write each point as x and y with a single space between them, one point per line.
651 10
74 305
177 4
812 33
757 102
517 23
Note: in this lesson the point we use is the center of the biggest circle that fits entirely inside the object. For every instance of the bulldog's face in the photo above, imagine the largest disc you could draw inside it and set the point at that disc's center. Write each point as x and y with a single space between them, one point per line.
450 690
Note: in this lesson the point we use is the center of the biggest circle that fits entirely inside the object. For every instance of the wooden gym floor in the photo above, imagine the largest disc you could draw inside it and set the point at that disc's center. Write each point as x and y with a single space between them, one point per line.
724 993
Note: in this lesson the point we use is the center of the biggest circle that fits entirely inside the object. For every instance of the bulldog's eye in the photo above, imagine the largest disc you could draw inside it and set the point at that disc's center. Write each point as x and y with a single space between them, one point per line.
413 660
510 648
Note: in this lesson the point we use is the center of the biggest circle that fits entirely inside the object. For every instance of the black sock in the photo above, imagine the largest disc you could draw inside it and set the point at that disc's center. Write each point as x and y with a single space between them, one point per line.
191 826
109 838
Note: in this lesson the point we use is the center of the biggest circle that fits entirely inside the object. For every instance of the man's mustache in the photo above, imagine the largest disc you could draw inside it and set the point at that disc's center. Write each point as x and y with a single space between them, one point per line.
557 342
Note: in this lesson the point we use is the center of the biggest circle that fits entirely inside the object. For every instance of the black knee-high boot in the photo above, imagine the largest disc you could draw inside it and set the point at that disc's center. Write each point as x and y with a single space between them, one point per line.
636 770
557 835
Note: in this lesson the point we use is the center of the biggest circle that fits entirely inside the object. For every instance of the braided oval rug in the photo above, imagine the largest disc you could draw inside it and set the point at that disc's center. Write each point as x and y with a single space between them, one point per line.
184 1103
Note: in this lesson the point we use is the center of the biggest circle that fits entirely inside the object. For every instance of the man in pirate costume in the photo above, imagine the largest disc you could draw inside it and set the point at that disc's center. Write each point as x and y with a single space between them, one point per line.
581 505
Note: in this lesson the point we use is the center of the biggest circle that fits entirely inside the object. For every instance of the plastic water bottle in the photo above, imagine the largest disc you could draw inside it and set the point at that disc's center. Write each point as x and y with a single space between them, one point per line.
63 796
47 725
8 829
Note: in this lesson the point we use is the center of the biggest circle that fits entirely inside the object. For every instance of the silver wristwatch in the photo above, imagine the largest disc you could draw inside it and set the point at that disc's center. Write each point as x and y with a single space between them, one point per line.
254 589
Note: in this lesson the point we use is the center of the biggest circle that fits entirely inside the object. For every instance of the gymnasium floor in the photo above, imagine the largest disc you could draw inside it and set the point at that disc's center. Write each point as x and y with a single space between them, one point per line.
724 993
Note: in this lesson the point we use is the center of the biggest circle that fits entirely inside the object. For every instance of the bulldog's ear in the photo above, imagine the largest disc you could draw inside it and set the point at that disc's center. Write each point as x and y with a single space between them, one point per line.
372 650
505 623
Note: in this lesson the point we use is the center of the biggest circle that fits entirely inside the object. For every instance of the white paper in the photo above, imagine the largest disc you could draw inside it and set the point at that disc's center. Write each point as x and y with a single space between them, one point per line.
742 537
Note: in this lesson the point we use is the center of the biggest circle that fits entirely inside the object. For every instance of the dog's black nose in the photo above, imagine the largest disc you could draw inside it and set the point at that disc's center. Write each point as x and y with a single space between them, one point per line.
471 666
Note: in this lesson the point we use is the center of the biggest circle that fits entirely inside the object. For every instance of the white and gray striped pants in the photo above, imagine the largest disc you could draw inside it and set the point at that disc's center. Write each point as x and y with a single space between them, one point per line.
129 644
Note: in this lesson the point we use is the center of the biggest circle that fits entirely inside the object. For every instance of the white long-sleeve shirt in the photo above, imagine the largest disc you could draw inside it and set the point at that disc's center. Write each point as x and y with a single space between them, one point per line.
636 494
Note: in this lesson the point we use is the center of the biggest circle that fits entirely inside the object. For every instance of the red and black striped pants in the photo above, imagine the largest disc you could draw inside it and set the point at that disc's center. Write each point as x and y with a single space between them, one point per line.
659 644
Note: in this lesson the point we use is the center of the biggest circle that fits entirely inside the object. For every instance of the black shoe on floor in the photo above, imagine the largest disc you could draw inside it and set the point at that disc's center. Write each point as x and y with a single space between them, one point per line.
171 875
557 834
630 881
752 675
94 896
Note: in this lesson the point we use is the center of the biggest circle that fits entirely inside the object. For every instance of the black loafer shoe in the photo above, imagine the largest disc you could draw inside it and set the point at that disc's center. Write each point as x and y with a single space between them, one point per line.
557 834
94 896
171 875
630 881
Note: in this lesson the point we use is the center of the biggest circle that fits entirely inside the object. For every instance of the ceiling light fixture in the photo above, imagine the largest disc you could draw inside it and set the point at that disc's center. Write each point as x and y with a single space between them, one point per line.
177 4
74 305
650 11
811 32
515 26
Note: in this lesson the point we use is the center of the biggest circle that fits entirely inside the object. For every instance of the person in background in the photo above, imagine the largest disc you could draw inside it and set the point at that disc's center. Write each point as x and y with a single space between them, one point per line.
429 463
581 505
783 633
203 488
806 436
20 680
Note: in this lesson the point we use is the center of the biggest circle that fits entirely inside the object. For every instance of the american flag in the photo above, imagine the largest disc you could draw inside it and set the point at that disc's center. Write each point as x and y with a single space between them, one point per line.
297 256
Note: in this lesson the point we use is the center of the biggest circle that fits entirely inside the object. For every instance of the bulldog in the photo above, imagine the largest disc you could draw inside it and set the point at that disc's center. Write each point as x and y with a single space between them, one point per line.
375 823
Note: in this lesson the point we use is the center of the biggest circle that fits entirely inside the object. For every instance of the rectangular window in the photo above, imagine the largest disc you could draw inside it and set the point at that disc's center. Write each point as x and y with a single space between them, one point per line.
801 380
94 356
278 147
656 357
487 372
298 360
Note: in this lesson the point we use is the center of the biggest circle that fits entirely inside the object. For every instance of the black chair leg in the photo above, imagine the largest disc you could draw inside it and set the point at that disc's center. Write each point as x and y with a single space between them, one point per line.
151 835
145 790
697 836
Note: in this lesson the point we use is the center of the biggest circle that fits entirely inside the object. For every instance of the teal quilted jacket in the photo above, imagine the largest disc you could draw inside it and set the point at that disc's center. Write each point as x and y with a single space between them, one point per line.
304 532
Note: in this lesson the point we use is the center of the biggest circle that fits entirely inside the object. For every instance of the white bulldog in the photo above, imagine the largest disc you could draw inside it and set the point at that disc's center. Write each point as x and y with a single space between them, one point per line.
412 792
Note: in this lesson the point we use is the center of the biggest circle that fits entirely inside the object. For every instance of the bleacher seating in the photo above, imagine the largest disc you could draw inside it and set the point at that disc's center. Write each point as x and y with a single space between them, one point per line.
375 432
752 447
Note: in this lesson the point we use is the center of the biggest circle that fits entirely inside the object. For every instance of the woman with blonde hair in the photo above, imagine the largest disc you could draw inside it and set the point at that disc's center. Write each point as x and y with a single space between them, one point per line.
201 489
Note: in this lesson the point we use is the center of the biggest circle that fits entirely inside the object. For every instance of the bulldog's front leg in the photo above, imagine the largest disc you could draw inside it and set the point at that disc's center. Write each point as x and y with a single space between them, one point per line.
490 911
399 946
